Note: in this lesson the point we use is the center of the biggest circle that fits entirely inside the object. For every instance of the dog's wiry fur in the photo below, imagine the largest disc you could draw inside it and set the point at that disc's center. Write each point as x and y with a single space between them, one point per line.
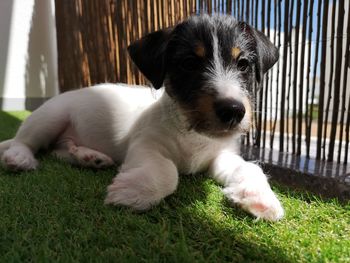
208 66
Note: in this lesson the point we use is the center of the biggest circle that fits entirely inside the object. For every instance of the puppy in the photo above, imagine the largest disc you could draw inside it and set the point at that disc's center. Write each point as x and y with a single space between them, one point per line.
207 66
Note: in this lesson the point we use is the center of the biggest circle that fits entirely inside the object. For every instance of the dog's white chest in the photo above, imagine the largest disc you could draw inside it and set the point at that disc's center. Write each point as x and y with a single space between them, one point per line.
196 152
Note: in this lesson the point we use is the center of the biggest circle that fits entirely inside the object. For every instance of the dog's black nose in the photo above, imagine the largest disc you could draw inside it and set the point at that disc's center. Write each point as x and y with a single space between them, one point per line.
229 111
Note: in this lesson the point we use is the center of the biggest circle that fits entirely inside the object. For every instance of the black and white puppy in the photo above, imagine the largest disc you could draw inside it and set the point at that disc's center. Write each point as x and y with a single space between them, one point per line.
208 66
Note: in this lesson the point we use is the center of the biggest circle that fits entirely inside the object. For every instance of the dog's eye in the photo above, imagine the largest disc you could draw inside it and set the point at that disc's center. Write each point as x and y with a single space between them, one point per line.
243 65
189 64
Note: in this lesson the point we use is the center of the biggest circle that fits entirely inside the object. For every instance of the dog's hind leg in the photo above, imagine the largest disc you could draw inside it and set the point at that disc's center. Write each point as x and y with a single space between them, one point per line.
19 157
68 151
16 156
38 131
4 146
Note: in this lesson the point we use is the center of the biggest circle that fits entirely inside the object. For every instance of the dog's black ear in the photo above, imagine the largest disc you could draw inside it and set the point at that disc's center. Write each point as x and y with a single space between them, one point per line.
148 54
267 52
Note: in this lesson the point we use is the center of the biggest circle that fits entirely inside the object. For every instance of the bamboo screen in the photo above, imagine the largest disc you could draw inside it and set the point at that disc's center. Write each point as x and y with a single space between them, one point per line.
302 106
93 36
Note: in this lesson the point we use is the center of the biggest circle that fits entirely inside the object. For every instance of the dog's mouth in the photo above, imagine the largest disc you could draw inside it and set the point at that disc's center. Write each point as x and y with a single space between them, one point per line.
220 134
216 129
216 118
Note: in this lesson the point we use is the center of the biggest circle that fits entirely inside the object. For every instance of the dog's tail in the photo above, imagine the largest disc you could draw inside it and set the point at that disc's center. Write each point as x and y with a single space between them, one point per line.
5 145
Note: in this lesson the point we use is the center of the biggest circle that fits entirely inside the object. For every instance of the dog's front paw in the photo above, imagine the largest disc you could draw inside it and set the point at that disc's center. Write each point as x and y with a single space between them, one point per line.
19 159
261 202
131 191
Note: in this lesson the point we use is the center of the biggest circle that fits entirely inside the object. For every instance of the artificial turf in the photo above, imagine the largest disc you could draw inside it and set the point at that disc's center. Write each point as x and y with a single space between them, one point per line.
56 214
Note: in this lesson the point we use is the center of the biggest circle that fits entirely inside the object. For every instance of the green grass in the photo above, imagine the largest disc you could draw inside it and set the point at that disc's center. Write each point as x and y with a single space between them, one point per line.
57 214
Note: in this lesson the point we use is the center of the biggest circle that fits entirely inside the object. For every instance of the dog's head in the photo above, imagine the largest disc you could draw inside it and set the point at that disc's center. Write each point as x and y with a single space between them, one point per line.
208 65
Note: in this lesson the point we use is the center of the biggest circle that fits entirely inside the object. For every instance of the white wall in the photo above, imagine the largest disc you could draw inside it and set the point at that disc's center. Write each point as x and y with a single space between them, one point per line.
28 53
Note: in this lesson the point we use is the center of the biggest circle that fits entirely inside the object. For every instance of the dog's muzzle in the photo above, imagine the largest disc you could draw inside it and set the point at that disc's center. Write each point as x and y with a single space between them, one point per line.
229 111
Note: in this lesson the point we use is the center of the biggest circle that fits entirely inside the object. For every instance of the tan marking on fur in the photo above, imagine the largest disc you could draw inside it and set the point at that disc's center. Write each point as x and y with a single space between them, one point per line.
205 104
201 111
235 51
199 50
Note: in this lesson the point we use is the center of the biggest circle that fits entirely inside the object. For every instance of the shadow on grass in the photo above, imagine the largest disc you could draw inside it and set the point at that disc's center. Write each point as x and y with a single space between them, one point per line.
216 239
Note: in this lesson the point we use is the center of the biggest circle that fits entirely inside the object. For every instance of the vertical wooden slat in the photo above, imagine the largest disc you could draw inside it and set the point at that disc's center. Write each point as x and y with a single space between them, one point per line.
229 7
264 91
284 72
291 48
209 7
337 79
138 15
172 12
295 76
155 15
181 9
255 88
301 77
166 13
127 38
330 82
252 8
322 78
278 14
113 43
347 134
345 86
247 13
135 34
308 68
242 10
267 75
187 8
239 10
261 93
160 7
194 7
89 65
235 9
315 66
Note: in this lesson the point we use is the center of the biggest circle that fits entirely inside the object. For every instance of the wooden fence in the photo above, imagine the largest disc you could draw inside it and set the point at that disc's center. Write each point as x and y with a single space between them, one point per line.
93 36
303 105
